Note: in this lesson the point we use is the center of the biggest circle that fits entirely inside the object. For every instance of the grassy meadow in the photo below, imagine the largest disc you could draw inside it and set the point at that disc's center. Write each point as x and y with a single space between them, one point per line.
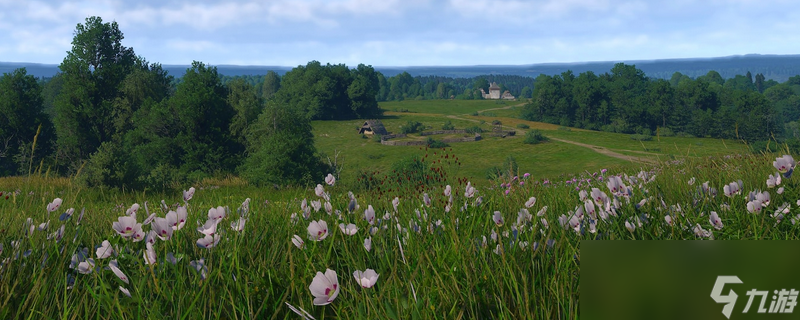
507 249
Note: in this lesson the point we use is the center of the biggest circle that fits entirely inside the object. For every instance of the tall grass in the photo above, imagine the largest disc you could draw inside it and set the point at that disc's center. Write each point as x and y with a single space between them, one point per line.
428 270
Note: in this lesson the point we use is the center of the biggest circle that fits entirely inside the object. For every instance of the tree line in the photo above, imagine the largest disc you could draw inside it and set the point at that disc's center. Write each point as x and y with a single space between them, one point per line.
112 118
624 100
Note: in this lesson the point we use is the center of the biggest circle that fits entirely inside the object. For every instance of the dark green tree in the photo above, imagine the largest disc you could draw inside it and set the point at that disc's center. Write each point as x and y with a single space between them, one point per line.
93 72
21 115
271 85
243 98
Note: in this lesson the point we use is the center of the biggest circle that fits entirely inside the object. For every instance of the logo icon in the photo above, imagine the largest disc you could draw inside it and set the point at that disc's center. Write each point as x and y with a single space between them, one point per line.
730 298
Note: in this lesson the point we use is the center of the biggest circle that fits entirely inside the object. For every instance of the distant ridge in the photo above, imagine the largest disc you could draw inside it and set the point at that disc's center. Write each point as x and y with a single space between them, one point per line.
776 67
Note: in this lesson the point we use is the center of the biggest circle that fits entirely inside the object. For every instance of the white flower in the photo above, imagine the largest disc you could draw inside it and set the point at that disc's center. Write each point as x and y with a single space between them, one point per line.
325 287
396 202
426 199
297 241
317 230
319 190
114 266
669 220
238 225
149 254
542 211
209 228
780 190
447 191
127 227
368 244
691 181
132 210
208 242
216 213
86 266
530 202
187 195
631 227
469 192
330 180
328 207
369 215
349 229
366 279
53 206
715 220
582 195
163 228
105 250
498 218
125 291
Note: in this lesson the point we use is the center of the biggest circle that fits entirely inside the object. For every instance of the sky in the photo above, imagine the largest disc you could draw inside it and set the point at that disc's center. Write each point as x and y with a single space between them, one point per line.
408 32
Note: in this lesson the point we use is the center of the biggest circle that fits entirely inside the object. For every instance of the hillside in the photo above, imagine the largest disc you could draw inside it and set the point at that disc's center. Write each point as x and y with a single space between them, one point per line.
775 67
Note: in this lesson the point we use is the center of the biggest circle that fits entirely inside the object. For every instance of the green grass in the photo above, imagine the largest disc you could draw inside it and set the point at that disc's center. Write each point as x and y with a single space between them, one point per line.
446 107
452 274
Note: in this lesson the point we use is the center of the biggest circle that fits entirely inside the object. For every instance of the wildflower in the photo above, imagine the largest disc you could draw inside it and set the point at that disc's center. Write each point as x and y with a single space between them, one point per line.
208 241
330 180
366 279
780 190
590 209
592 226
151 237
542 211
715 220
180 218
669 220
426 199
114 266
317 230
150 254
125 291
187 195
80 217
209 228
172 259
325 287
575 223
631 227
498 250
691 181
395 203
583 194
702 233
469 191
447 191
328 207
149 218
732 189
200 266
105 250
238 225
216 213
349 229
319 190
66 215
523 216
498 218
316 205
785 165
44 225
163 228
754 206
531 201
53 206
369 215
368 244
127 227
132 210
297 241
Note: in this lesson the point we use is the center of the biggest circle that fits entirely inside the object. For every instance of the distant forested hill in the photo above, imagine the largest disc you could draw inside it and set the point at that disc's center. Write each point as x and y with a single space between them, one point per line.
774 67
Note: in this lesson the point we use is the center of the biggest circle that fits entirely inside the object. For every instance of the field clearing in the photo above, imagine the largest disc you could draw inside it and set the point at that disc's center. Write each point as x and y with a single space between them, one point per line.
446 107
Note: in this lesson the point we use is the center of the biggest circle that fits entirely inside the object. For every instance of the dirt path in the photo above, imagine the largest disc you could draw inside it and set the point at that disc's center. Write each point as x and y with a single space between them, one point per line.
601 150
502 108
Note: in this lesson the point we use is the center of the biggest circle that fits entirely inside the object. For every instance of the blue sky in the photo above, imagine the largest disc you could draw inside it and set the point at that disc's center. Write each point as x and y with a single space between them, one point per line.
408 32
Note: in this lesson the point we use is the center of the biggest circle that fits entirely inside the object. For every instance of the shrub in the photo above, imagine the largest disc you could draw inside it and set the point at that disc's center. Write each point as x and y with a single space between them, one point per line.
684 135
448 126
433 143
641 137
474 129
523 126
534 137
475 114
563 128
665 132
376 138
411 127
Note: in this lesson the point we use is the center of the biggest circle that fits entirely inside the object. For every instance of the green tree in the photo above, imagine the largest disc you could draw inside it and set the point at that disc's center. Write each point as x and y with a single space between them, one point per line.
243 98
21 115
526 92
271 85
93 71
362 92
281 149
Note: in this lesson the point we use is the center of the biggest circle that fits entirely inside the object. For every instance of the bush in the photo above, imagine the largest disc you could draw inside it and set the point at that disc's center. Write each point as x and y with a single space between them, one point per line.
563 128
474 129
641 137
684 135
411 127
475 114
665 132
534 137
523 126
376 138
436 144
448 126
764 146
